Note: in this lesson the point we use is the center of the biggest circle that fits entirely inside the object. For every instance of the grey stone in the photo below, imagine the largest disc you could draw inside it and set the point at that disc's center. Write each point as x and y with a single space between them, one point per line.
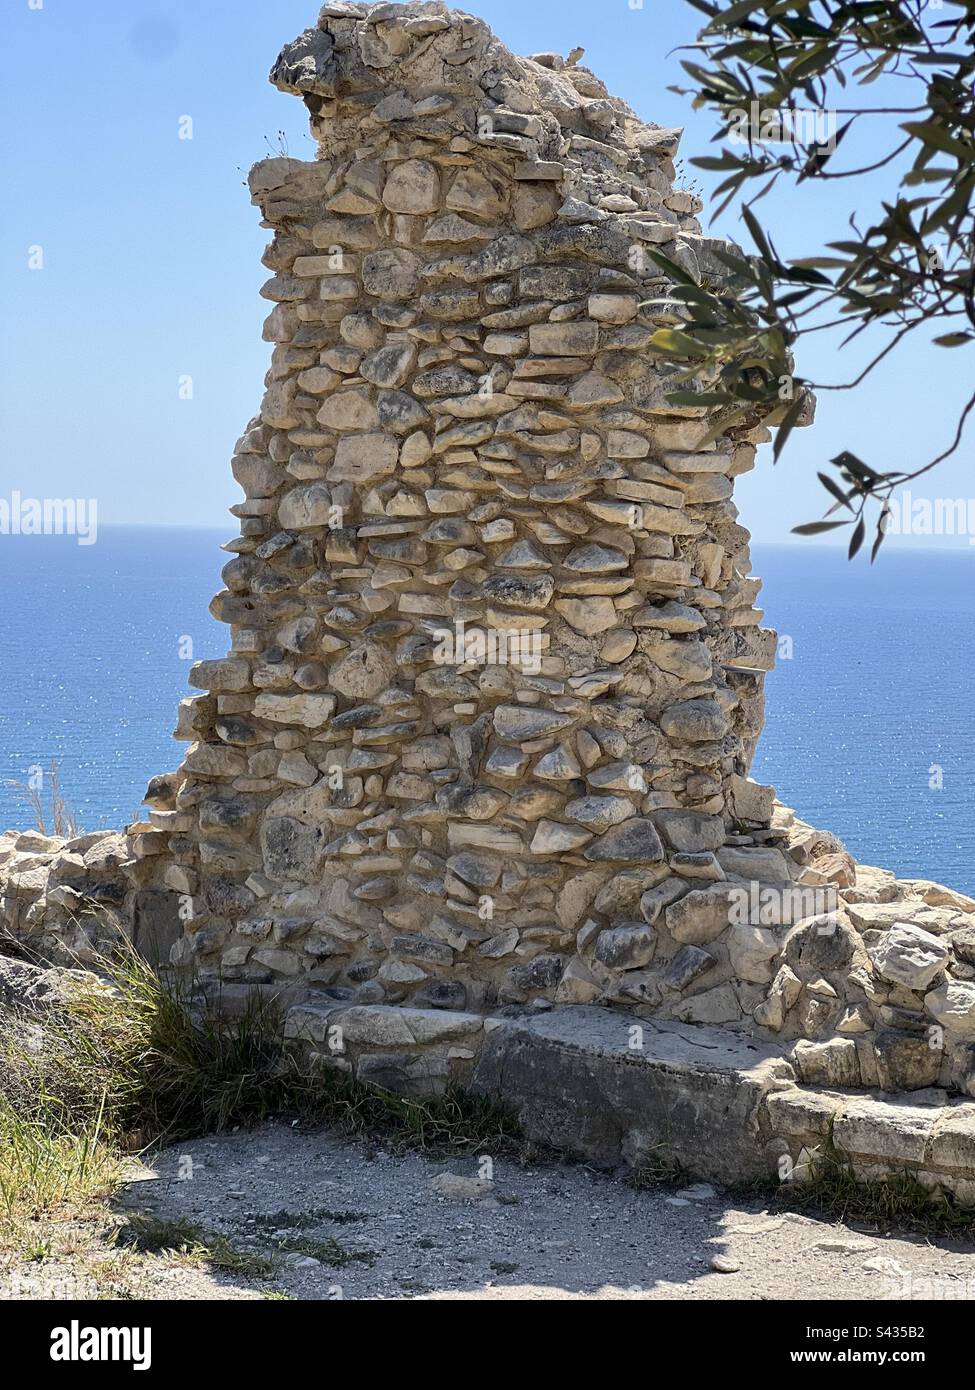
701 915
544 972
600 812
635 841
551 837
685 966
694 721
689 831
626 947
518 722
905 1061
305 507
718 1005
412 187
823 943
361 458
832 1063
391 274
574 1080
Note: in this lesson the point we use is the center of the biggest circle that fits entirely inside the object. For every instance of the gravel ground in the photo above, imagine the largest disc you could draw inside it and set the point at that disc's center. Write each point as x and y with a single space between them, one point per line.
342 1219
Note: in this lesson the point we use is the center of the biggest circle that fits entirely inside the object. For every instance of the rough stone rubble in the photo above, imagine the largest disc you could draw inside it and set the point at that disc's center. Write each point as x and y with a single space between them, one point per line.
483 736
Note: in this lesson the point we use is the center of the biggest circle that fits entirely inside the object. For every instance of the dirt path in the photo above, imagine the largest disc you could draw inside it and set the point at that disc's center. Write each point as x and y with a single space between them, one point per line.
340 1219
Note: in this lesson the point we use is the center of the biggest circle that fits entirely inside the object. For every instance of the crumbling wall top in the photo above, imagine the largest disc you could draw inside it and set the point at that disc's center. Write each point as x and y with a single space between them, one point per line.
390 60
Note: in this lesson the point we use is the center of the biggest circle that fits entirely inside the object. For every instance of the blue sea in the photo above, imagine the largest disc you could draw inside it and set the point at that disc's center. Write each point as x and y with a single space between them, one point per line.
870 727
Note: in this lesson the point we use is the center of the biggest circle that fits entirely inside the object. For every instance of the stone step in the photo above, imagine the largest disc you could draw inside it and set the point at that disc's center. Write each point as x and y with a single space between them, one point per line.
921 1133
623 1091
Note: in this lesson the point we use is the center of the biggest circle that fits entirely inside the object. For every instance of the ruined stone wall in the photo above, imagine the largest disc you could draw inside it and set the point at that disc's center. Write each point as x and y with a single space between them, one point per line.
495 679
496 672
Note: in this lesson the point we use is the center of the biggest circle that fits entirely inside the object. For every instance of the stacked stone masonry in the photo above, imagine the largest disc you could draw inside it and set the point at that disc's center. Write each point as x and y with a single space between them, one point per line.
483 736
496 673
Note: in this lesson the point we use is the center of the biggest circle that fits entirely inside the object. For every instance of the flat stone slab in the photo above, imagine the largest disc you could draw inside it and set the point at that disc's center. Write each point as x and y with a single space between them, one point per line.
615 1088
379 1025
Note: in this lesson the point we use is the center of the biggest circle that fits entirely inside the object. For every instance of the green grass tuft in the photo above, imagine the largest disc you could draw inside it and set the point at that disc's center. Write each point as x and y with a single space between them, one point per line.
899 1202
454 1123
327 1250
153 1236
302 1220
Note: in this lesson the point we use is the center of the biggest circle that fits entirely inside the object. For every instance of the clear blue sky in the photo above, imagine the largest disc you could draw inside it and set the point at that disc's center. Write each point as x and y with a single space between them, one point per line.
152 250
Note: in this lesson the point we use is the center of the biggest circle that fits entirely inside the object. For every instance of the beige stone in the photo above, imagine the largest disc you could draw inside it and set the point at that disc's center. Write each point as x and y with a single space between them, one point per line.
412 187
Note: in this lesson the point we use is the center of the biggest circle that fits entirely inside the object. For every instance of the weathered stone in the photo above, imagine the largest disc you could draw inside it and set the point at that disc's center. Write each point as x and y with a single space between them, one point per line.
312 711
717 1005
689 831
304 507
783 995
592 390
635 841
879 916
909 956
533 205
756 863
349 410
362 672
519 722
390 366
823 943
560 765
390 274
626 947
700 915
655 899
832 1063
564 339
953 1005
600 812
750 801
571 1076
471 192
694 721
361 458
905 1061
381 1026
412 187
588 615
544 972
553 838
752 951
578 985
686 966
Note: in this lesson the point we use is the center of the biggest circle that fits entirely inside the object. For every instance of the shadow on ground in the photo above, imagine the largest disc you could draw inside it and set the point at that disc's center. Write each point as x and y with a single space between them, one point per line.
345 1219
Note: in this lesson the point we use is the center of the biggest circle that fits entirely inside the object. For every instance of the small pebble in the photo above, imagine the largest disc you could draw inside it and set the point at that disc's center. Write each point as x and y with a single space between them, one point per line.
698 1192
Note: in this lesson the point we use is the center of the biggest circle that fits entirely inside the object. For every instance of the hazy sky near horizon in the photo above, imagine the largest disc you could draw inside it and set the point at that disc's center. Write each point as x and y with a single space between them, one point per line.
152 251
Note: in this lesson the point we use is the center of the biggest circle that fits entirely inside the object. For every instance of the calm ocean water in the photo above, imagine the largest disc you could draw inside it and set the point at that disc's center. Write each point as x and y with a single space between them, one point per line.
877 693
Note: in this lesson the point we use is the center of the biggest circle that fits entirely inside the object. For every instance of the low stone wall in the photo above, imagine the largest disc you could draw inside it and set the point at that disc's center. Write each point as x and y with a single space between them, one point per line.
58 896
67 901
